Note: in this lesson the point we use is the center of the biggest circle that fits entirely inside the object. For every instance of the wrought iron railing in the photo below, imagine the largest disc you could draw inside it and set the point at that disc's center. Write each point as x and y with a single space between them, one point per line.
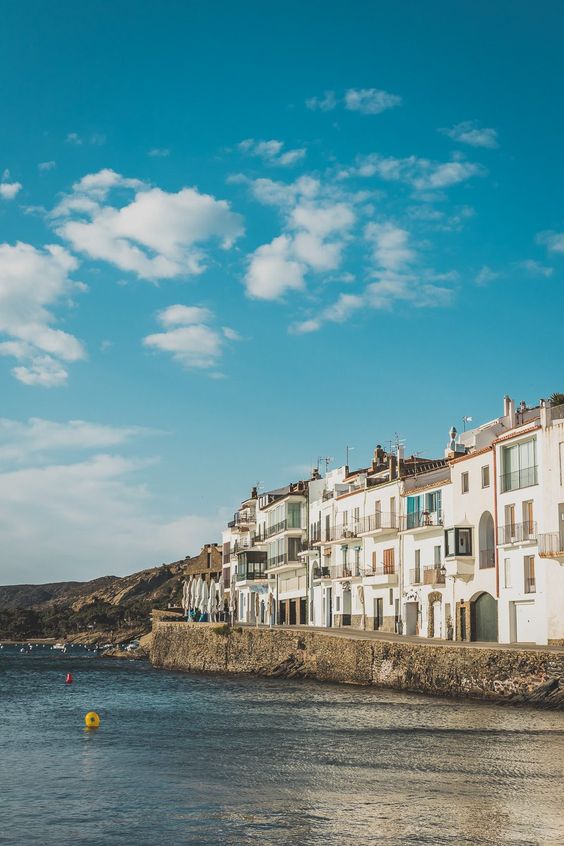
433 576
420 519
517 532
518 479
378 521
388 569
343 532
551 544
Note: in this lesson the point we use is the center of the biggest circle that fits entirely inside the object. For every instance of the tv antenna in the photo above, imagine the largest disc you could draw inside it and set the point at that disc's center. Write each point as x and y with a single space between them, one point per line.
326 459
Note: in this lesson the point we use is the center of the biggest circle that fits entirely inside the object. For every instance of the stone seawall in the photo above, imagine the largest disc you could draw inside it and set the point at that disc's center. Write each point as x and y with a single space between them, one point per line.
511 675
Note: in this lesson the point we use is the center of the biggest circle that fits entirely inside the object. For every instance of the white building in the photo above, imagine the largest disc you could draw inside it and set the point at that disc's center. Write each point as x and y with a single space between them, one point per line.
466 547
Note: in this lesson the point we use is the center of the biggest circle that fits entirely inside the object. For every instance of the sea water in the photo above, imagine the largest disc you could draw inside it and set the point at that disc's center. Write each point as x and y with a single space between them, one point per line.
208 759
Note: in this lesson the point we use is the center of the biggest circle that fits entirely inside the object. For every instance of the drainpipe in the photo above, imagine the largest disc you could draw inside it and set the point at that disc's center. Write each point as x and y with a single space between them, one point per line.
495 523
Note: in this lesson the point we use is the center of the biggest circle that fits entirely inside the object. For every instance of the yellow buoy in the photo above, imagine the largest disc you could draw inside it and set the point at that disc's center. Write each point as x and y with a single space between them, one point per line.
92 720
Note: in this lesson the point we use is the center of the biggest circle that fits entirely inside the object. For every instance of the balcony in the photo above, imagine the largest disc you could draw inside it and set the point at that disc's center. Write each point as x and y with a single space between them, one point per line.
252 574
242 520
343 532
518 479
517 533
241 545
422 522
321 573
487 559
282 526
282 560
551 545
380 523
433 576
346 571
384 575
415 576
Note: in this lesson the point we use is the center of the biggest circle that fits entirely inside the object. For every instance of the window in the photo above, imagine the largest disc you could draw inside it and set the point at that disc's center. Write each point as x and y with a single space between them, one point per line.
356 515
294 546
437 556
357 561
458 541
391 596
507 572
345 551
465 483
528 519
417 574
530 584
519 468
393 506
509 521
294 515
327 526
337 603
374 559
486 476
389 561
345 518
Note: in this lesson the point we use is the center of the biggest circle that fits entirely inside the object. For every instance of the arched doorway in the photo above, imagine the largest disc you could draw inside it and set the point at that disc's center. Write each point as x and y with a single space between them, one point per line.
484 618
435 614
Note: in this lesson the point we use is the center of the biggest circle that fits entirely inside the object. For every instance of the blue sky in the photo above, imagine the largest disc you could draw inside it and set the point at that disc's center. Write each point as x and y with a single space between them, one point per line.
234 238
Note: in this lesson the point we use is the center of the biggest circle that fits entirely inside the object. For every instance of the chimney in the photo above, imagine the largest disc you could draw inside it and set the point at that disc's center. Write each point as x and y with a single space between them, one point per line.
378 459
254 492
509 410
392 465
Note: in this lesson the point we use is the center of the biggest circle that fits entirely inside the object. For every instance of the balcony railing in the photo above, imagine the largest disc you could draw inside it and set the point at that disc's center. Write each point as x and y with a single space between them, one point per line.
346 571
380 569
321 572
251 574
518 479
240 545
433 576
517 532
282 526
343 532
280 561
420 519
378 521
487 558
551 545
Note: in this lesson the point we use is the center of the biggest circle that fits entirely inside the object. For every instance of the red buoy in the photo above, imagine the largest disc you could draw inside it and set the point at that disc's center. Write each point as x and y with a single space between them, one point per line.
68 679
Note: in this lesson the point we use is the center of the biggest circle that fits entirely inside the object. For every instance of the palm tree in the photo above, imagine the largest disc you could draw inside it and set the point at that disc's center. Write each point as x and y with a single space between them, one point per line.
556 399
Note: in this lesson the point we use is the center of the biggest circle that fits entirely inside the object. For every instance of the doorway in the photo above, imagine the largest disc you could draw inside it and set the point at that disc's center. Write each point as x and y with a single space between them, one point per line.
483 618
378 613
411 614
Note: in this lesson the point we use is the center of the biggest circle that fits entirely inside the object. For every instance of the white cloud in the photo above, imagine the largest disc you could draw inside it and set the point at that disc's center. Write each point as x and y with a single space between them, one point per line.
486 275
158 235
314 238
367 101
32 283
9 190
96 139
390 245
159 152
38 439
470 132
47 165
420 174
554 241
90 518
370 101
535 268
189 337
272 152
325 104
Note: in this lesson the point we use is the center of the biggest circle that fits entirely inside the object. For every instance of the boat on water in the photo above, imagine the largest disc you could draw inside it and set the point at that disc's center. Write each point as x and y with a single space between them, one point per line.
60 646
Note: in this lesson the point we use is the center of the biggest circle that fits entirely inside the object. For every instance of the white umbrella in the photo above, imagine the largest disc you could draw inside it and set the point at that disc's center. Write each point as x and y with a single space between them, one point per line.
185 590
204 597
220 593
360 592
192 595
198 593
212 601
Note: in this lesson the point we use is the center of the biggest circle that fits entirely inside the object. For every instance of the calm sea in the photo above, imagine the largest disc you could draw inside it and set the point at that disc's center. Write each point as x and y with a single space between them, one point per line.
185 759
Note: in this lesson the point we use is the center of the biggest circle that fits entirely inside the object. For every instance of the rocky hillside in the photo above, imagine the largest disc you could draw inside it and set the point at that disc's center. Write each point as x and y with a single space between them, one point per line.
111 608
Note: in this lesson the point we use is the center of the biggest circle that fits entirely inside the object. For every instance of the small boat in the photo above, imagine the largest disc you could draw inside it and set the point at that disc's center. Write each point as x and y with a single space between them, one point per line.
60 646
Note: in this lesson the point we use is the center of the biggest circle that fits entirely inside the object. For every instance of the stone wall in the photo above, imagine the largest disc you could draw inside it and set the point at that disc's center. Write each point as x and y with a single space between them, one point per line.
492 674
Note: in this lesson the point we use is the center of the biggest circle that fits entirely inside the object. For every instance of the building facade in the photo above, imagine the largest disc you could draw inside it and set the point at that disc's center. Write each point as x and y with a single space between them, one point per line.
467 546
